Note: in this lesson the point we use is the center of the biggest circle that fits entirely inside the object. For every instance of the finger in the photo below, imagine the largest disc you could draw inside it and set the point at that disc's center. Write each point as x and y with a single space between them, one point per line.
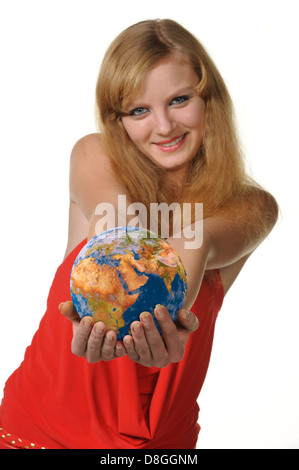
188 320
81 335
187 323
107 352
140 343
68 310
153 338
170 335
94 343
120 350
130 348
165 321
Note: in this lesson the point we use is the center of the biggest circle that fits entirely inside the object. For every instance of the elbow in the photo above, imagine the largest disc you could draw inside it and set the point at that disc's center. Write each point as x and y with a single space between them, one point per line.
270 211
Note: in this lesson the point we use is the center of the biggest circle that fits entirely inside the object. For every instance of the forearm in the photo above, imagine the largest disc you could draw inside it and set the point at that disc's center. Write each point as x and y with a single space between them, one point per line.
222 245
240 229
195 263
226 239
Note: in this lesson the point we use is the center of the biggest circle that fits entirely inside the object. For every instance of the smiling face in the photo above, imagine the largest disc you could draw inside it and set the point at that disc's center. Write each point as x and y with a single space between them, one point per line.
166 119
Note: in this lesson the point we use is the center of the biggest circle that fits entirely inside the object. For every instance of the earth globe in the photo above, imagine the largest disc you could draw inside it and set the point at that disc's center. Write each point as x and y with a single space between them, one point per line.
123 272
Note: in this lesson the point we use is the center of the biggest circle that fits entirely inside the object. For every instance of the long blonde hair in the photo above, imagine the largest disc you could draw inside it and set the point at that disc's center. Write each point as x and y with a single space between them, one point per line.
217 175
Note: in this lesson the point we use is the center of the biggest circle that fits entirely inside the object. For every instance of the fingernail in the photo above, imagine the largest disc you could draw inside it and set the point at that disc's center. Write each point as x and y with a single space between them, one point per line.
60 306
127 339
87 321
99 328
110 337
186 314
145 318
160 311
136 327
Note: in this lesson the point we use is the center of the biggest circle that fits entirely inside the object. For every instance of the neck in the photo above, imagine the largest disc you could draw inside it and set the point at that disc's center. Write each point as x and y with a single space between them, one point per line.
174 183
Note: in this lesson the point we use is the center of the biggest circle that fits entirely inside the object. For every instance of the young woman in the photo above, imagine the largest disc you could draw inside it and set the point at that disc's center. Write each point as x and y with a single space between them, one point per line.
166 134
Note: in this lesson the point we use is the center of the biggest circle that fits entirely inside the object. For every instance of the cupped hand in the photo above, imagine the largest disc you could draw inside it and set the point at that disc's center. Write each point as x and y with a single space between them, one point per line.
147 347
91 340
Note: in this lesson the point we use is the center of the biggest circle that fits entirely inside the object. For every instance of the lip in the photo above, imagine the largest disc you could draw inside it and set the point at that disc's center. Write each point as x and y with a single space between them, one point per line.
169 140
175 146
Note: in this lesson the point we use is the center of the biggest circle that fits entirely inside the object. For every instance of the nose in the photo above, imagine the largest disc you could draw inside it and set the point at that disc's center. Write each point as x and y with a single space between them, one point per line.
164 123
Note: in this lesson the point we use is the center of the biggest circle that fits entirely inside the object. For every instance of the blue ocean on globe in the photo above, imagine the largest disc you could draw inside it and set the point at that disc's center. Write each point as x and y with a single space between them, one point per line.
123 272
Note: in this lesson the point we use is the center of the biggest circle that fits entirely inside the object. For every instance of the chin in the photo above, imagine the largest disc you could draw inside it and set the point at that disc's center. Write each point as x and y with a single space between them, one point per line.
175 165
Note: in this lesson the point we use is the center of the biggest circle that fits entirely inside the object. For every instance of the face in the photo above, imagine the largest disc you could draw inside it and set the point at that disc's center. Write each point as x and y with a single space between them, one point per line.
166 119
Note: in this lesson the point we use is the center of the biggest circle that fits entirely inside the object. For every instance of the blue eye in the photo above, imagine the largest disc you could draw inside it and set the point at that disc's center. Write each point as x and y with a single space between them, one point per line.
138 111
180 99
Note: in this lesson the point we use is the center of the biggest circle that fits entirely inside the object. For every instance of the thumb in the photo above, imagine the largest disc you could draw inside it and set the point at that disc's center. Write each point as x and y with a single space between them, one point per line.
68 310
188 320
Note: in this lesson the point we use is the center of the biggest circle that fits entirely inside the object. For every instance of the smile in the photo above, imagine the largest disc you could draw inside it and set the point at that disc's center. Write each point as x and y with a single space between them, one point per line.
171 145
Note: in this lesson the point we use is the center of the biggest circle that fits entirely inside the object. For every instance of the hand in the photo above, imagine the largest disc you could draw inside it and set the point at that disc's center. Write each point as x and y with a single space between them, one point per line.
147 347
91 340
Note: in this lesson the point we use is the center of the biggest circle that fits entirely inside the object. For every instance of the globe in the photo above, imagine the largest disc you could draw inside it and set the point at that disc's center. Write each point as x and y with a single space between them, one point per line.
123 272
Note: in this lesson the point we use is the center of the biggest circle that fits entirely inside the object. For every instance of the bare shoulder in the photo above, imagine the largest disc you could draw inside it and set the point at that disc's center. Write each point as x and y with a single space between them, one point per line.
92 179
89 160
88 150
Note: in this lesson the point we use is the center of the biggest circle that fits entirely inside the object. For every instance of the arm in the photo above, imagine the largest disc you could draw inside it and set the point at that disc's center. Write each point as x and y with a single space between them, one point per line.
227 243
228 240
238 231
89 166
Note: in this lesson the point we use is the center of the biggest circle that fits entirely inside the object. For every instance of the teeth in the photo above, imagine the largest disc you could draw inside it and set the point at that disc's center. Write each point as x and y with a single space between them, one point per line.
173 142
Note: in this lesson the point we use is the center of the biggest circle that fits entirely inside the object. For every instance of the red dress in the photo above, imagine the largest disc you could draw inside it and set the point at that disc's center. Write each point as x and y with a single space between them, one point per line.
59 401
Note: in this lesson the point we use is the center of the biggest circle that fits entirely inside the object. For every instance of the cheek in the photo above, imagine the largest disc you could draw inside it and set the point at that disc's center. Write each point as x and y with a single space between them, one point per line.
200 124
137 131
129 130
197 117
194 117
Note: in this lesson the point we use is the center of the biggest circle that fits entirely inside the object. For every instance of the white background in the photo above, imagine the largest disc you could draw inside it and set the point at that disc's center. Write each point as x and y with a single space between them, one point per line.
50 56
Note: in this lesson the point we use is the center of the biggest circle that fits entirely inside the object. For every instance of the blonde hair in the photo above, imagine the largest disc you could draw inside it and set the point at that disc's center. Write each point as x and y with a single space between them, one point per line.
217 175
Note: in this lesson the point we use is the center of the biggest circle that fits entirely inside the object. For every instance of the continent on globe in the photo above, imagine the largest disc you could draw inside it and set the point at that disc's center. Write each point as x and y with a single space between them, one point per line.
124 271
